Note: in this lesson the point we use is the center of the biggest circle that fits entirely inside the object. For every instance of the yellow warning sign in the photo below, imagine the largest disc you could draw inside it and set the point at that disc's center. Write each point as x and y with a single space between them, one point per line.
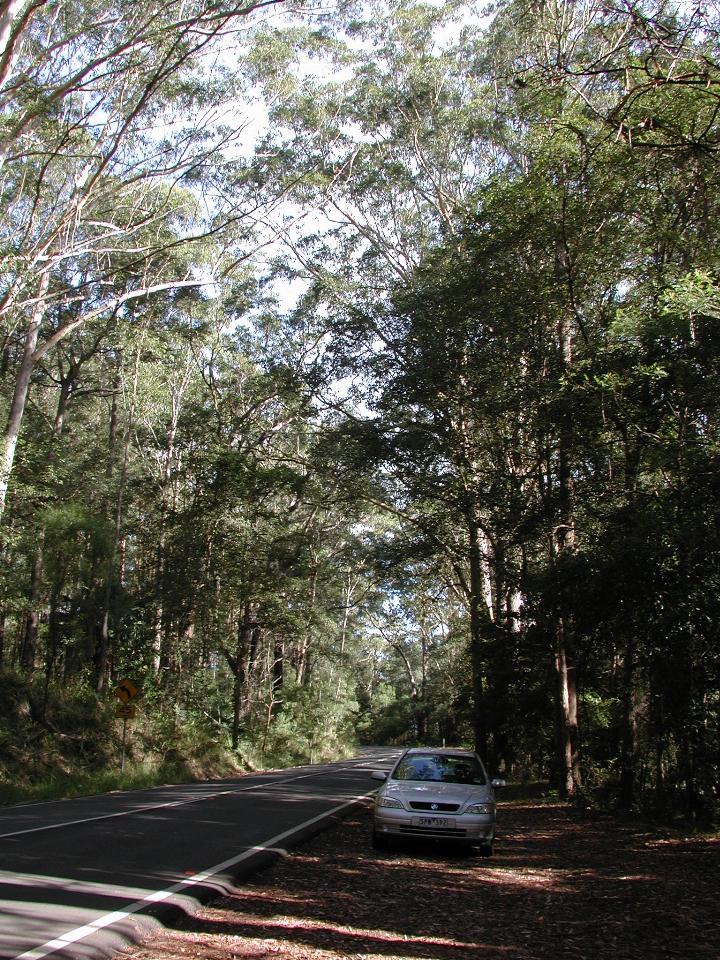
125 691
126 711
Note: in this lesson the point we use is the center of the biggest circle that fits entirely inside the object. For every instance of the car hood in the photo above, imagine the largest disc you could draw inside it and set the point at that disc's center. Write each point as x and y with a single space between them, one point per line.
408 791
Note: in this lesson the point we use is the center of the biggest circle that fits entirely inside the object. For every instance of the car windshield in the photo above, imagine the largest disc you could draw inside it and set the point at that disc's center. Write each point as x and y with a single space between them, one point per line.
445 768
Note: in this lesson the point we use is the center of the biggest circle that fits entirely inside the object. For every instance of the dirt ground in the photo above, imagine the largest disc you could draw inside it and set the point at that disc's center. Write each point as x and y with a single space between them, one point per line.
559 886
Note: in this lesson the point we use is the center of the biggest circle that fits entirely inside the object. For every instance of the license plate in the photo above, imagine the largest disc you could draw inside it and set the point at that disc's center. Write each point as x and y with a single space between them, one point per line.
431 822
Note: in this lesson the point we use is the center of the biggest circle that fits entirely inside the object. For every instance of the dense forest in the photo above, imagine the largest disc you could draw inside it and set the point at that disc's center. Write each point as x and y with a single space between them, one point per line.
359 383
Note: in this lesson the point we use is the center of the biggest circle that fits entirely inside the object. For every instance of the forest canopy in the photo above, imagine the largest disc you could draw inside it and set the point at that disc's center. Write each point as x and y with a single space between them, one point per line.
359 383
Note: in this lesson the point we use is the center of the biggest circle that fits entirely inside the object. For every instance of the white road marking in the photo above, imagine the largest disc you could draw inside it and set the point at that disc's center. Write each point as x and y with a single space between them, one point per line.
171 803
154 806
158 896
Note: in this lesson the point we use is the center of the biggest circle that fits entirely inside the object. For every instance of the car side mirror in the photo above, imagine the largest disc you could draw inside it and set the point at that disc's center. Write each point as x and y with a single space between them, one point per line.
379 775
497 783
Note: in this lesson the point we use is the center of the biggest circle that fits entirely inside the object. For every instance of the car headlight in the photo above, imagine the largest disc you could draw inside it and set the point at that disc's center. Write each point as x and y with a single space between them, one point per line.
390 802
480 808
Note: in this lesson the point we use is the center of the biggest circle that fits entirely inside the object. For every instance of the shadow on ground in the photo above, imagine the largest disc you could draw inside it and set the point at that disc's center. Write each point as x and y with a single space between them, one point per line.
558 887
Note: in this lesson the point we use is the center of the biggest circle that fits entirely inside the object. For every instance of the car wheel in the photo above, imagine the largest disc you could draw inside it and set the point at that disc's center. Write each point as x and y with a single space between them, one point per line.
487 849
380 841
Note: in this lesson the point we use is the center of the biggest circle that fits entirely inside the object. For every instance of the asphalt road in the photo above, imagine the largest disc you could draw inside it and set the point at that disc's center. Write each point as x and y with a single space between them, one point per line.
83 878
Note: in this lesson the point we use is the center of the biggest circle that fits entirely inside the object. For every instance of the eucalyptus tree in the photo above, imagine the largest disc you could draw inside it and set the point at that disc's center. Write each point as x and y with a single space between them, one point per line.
113 114
395 137
252 574
401 150
628 95
384 108
562 196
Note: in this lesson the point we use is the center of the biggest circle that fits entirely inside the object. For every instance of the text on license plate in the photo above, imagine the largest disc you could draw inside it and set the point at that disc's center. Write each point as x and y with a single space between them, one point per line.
431 822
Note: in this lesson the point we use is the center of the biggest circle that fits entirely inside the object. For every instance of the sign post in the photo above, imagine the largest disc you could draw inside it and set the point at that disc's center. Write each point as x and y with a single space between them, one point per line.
125 691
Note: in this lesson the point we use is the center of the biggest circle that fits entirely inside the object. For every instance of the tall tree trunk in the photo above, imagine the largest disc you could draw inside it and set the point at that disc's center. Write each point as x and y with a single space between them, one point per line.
567 730
629 730
564 542
20 393
28 650
177 394
239 661
629 694
278 668
102 648
476 638
348 587
305 641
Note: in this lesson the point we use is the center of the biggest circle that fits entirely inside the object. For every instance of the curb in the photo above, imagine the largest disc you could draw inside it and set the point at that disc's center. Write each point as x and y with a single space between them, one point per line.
152 918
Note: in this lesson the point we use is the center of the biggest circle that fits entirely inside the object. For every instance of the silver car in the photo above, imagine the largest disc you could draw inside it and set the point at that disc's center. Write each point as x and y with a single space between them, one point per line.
437 794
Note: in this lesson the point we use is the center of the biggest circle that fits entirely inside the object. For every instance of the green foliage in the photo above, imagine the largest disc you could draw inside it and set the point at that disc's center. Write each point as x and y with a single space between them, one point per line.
308 727
386 718
49 734
66 742
484 435
540 364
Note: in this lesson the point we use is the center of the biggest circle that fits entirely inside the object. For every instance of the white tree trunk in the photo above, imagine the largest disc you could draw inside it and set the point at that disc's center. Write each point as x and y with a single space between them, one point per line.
22 386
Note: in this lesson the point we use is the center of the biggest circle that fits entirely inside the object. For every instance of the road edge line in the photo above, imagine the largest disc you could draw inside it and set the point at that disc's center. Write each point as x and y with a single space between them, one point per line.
163 897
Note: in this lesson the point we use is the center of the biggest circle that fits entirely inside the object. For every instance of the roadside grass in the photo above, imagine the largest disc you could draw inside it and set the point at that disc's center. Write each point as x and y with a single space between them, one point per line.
46 777
84 784
65 741
146 773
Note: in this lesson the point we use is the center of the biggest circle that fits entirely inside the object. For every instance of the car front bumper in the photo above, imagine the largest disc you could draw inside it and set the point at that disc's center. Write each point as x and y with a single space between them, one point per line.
403 823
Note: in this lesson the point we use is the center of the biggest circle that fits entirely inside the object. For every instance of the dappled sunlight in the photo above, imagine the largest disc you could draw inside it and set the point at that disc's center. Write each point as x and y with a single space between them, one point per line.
377 939
284 934
689 844
558 887
524 878
642 878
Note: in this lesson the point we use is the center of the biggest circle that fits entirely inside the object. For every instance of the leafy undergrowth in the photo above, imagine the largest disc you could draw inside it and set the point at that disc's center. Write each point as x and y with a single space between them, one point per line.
67 742
558 887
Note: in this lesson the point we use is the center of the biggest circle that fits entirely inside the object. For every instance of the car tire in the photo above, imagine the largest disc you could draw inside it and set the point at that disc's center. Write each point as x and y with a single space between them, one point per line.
380 841
487 849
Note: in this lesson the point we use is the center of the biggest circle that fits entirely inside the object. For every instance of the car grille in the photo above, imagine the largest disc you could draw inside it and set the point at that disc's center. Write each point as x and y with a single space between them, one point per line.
435 807
434 832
